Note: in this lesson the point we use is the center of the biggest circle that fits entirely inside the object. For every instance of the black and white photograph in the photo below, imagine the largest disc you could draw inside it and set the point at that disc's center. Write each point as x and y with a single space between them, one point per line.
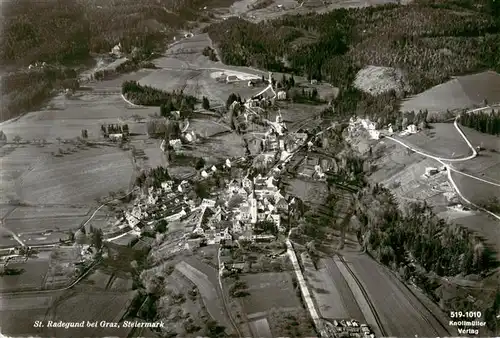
249 168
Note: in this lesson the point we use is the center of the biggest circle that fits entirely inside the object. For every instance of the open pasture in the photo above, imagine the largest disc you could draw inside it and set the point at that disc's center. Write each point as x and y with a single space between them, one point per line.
74 307
476 138
269 290
30 227
485 166
207 128
297 115
443 140
48 211
18 313
32 275
310 192
475 191
77 178
219 147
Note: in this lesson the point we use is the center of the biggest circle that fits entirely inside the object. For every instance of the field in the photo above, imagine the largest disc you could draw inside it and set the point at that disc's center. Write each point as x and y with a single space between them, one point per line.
74 307
441 140
333 297
400 311
184 67
475 191
311 192
268 291
100 170
272 299
476 138
207 128
219 147
32 276
458 93
48 211
18 313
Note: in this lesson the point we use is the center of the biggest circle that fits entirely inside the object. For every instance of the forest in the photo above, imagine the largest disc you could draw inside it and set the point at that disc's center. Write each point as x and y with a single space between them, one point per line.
484 122
149 96
429 40
67 34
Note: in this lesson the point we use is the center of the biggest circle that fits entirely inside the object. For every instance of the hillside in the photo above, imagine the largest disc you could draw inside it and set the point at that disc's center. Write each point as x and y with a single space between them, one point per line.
429 41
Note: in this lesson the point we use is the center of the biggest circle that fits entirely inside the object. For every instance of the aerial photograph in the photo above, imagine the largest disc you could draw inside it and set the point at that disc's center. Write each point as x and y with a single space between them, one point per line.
249 168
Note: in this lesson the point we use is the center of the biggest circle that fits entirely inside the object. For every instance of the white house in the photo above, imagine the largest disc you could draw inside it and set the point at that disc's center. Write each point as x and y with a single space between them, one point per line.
208 203
253 210
117 50
204 174
176 144
167 186
412 129
228 163
177 216
281 95
214 168
374 134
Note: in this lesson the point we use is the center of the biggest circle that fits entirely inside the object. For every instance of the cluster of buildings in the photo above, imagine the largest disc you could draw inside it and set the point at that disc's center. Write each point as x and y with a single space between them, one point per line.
374 130
244 203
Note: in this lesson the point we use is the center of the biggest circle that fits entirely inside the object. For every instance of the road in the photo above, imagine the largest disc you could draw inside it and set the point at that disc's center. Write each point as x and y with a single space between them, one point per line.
450 169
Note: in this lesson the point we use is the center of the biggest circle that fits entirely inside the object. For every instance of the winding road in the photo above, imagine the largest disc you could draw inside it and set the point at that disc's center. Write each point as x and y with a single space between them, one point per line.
449 167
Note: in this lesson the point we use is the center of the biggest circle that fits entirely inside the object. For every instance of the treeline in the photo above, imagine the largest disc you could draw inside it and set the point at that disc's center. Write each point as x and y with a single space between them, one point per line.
114 129
149 96
416 239
428 41
485 122
153 177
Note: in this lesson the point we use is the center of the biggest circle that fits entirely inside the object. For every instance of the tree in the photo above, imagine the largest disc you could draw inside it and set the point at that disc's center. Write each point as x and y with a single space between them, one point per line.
200 163
214 330
161 226
232 97
96 237
206 103
17 139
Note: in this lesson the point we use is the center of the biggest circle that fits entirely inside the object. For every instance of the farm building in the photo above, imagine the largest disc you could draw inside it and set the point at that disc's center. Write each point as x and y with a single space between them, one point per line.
231 78
429 171
115 137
